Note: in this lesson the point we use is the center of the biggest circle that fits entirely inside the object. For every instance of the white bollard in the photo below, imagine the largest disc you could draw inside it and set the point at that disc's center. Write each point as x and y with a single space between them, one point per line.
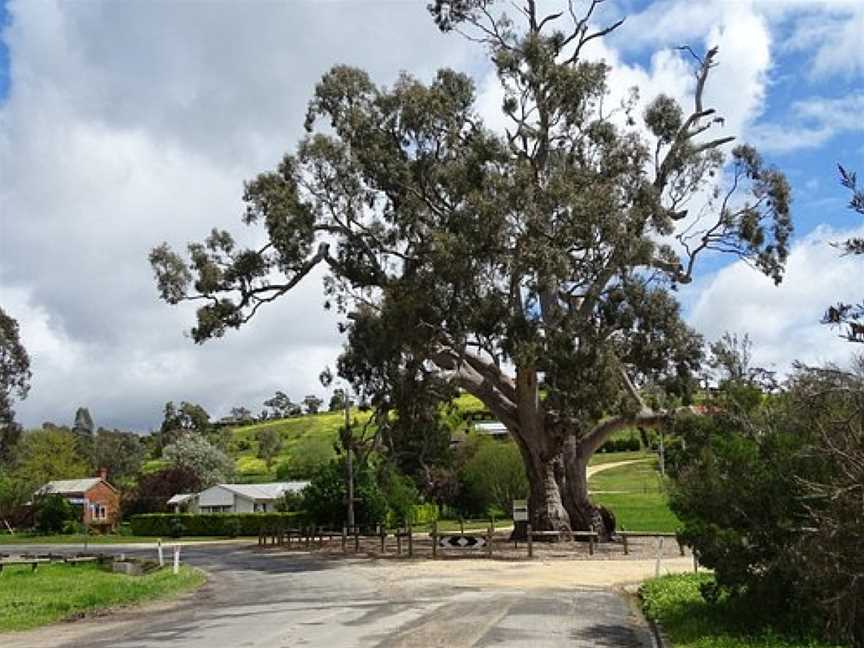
161 554
659 557
176 559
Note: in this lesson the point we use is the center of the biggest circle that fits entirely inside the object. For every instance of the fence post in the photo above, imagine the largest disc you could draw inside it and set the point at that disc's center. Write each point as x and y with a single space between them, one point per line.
320 536
591 544
624 538
344 538
659 558
356 539
383 535
398 541
530 541
410 541
489 532
161 555
435 539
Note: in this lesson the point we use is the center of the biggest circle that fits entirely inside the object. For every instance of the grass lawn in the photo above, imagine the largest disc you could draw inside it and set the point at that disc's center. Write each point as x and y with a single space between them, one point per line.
642 504
24 539
611 457
55 592
690 622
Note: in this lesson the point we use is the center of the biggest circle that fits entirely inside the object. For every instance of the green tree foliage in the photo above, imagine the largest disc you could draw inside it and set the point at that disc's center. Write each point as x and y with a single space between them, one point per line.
194 453
312 403
53 512
14 383
493 475
120 453
302 465
337 401
155 489
464 251
83 428
770 495
850 317
15 493
324 499
280 406
49 454
270 444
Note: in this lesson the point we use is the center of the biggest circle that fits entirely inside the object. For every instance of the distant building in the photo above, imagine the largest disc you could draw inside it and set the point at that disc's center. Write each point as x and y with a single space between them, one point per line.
98 500
235 498
492 428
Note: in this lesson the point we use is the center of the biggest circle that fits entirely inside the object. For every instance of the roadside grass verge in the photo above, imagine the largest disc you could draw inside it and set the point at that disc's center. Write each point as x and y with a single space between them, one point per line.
55 592
690 622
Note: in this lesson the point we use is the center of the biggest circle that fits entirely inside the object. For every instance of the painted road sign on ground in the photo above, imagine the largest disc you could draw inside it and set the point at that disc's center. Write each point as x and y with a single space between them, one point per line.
461 542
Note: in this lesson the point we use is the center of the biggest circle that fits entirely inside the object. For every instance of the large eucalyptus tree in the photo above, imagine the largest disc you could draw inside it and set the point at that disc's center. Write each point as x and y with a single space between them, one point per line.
534 268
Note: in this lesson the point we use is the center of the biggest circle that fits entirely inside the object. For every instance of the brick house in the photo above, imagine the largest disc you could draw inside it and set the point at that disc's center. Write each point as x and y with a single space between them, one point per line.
98 500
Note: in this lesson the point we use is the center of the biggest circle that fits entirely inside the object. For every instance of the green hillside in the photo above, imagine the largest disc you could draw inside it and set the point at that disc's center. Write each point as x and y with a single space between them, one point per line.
309 440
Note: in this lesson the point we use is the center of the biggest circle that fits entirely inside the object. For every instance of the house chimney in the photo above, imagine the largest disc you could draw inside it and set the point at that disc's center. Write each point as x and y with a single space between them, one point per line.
103 474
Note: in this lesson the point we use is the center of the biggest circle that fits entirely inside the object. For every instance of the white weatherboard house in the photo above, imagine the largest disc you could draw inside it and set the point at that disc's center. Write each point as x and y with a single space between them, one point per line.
236 498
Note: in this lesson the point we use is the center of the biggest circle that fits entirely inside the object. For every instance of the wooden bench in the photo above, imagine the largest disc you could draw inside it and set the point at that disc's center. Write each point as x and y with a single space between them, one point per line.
644 534
33 562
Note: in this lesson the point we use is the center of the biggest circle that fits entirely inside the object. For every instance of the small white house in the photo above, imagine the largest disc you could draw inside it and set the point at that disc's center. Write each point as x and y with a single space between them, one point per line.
235 498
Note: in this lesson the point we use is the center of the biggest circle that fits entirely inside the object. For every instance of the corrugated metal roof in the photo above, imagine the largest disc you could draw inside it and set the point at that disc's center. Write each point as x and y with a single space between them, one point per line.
69 486
269 491
181 498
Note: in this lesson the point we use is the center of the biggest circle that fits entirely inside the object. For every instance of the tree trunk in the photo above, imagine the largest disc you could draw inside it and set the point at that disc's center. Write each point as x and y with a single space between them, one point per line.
545 506
584 515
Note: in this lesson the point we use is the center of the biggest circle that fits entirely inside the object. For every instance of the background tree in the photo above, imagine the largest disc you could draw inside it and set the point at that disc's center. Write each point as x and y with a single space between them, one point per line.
493 476
49 454
312 403
194 453
850 317
280 406
337 401
120 453
270 444
155 489
83 429
500 260
242 414
14 383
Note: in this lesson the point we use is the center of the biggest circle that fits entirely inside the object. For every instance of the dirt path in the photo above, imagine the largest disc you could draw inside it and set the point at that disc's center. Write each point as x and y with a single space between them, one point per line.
593 470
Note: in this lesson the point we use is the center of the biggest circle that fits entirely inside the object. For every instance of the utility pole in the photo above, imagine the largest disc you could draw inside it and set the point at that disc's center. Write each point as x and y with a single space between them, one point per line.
348 442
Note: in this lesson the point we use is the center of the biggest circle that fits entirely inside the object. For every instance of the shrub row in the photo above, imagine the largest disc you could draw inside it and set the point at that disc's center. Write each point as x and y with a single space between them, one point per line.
621 445
210 524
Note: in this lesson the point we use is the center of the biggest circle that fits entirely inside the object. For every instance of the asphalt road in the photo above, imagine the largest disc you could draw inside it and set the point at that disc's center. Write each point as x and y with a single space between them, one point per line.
294 599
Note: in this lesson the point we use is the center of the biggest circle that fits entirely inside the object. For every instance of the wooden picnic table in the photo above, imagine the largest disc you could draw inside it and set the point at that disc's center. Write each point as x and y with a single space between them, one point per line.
33 562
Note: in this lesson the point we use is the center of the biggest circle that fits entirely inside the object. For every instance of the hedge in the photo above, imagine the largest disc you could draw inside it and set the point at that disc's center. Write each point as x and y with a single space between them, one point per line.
211 524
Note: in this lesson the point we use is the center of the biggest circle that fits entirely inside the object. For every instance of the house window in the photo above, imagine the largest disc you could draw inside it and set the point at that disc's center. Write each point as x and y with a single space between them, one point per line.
216 509
98 512
260 507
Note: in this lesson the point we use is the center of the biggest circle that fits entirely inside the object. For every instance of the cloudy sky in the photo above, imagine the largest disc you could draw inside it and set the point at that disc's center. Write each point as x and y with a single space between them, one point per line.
123 124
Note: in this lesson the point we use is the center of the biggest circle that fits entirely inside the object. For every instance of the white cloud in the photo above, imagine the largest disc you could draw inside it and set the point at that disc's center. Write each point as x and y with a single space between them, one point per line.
132 123
783 321
812 123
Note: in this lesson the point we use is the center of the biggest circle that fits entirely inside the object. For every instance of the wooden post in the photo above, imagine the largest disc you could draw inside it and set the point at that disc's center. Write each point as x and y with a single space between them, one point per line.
356 539
398 541
320 536
489 532
590 545
344 538
695 564
410 541
435 539
659 558
530 541
159 551
626 548
383 537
